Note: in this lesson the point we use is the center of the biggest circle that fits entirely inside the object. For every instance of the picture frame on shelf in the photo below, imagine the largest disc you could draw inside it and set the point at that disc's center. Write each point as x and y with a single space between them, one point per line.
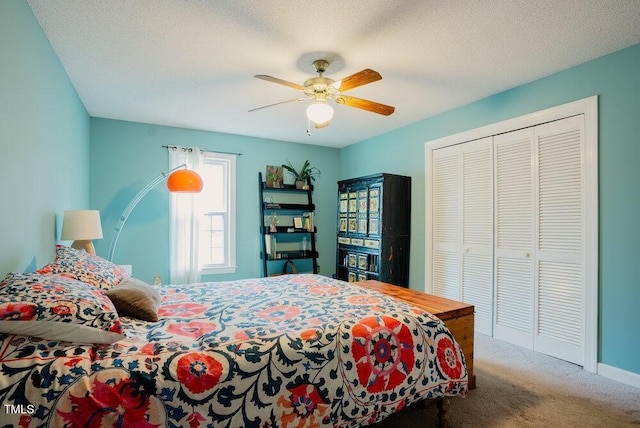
307 222
297 222
343 224
274 176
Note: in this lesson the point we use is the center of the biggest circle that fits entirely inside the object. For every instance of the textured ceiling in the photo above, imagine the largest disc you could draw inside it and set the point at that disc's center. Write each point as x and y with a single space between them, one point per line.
190 63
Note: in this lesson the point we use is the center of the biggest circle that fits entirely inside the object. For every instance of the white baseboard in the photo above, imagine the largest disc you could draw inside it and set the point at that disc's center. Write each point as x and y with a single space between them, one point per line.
619 375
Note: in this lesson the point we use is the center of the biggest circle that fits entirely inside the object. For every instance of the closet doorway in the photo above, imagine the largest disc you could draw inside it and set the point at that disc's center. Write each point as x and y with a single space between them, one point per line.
512 228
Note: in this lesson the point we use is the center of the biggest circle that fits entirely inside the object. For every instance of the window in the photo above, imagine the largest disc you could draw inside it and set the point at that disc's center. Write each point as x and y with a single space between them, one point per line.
202 233
216 211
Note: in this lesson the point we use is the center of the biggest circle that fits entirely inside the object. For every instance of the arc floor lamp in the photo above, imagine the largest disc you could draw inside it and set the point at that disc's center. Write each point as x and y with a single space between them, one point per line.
179 179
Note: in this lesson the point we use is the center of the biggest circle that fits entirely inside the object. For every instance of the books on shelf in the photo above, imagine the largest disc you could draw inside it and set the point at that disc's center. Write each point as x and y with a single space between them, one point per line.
270 246
307 221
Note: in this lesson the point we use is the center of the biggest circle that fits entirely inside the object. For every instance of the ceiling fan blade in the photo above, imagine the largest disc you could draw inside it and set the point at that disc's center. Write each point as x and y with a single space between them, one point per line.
358 79
281 102
280 81
382 109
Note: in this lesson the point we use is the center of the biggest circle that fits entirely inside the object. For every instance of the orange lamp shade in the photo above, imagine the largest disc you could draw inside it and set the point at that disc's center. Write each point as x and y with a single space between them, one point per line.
185 181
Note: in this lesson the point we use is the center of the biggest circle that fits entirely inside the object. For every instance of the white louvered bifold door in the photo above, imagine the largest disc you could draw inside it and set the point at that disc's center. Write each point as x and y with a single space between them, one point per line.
514 243
477 230
560 251
446 223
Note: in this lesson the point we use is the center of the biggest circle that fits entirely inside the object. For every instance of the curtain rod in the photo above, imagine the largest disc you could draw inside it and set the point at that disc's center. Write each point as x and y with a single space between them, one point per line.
188 148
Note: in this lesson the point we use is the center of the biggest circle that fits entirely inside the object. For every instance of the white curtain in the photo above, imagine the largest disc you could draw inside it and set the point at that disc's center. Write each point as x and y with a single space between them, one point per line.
184 221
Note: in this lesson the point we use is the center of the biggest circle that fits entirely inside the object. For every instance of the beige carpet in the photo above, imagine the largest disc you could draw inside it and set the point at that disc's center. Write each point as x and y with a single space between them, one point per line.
521 388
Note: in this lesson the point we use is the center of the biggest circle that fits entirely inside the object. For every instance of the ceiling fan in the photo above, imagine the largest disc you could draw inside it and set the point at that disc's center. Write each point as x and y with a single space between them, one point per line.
321 89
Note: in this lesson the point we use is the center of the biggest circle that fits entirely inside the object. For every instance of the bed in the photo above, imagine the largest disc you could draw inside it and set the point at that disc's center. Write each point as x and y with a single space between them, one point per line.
286 351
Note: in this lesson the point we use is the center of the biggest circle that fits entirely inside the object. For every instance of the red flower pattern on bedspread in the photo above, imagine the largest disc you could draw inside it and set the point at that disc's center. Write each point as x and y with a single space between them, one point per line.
383 352
304 406
115 400
193 329
18 311
198 372
182 310
279 313
304 351
449 358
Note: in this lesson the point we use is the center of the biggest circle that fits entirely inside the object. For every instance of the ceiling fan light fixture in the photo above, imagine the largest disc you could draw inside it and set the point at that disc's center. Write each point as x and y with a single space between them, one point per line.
319 112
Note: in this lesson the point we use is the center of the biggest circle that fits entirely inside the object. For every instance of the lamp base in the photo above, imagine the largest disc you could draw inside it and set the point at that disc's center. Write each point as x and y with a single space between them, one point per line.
84 244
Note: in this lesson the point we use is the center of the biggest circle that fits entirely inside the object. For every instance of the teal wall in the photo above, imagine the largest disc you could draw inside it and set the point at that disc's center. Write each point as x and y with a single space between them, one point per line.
125 156
616 80
44 142
47 164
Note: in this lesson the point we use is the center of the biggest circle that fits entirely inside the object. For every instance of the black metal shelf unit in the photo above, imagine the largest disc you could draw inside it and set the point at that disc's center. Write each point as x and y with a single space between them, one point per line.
286 242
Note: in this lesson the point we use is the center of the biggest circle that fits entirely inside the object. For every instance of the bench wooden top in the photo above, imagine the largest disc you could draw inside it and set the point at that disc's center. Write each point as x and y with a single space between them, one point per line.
444 309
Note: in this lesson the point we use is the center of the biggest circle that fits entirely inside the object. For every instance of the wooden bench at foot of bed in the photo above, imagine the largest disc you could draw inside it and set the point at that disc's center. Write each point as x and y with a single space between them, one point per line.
457 316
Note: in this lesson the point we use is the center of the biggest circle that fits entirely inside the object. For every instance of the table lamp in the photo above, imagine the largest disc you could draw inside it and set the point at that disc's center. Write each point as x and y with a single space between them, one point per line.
81 226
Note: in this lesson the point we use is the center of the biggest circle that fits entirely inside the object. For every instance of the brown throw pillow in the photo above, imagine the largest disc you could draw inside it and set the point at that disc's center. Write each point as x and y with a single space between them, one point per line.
135 298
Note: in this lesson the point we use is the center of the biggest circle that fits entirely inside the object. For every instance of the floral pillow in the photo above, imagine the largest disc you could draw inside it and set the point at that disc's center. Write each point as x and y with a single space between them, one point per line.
55 307
84 267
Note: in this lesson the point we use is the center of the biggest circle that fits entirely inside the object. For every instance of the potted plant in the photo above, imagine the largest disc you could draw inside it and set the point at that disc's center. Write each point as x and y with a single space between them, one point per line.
302 177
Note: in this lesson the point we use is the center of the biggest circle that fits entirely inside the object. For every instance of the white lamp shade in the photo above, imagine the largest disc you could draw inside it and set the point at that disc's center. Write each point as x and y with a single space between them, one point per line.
319 112
81 225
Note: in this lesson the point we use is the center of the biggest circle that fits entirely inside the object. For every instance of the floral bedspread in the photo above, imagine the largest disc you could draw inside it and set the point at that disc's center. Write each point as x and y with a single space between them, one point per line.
286 351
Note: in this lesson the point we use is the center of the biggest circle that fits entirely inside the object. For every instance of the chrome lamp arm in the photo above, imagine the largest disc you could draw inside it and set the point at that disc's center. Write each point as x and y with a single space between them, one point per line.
127 211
